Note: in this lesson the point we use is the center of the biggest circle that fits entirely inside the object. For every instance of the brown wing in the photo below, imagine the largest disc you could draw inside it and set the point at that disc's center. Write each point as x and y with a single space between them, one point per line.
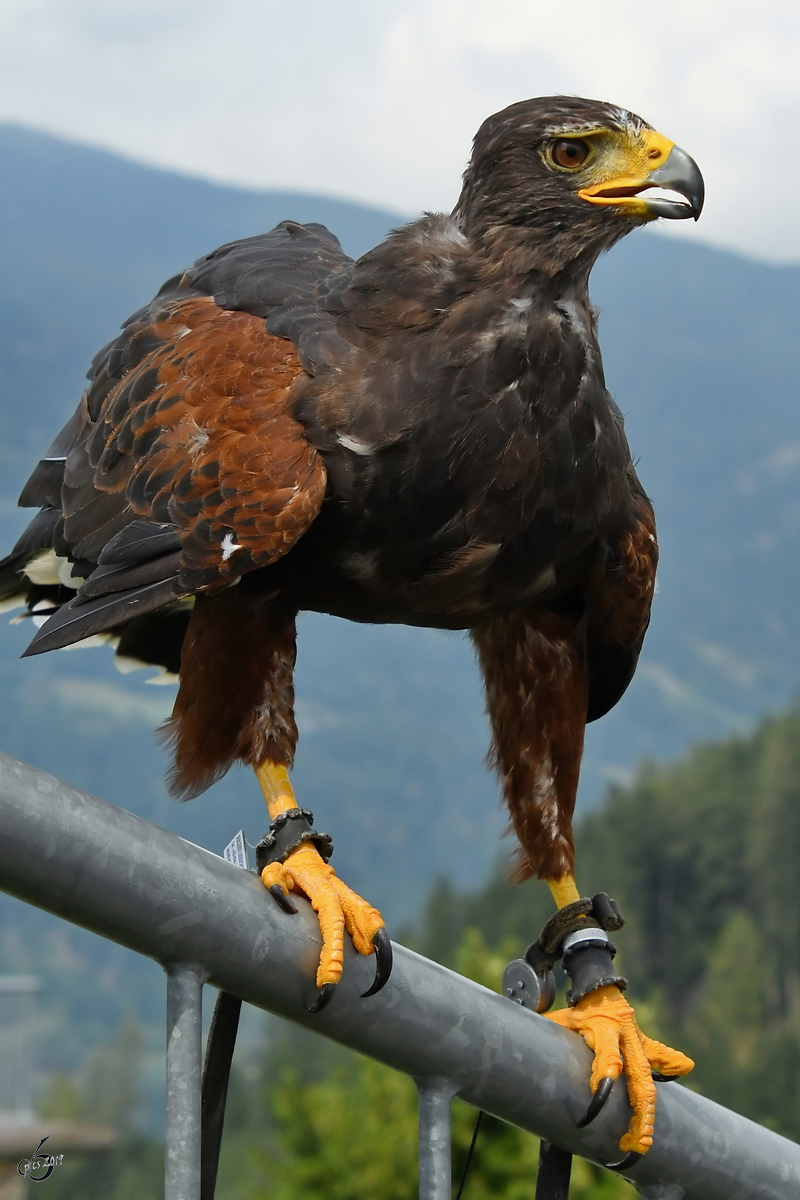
620 595
188 471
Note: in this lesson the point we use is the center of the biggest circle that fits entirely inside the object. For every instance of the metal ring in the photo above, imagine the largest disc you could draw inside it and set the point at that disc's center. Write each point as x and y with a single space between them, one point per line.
584 937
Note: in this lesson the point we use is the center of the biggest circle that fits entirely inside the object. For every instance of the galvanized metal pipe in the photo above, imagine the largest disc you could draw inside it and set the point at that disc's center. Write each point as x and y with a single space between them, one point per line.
435 1170
184 1080
666 1191
122 877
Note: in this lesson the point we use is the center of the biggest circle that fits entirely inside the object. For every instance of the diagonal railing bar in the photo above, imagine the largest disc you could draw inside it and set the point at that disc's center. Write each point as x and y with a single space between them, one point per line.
111 872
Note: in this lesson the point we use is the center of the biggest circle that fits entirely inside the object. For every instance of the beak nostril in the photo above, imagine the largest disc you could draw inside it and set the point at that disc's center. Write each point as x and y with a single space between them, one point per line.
654 154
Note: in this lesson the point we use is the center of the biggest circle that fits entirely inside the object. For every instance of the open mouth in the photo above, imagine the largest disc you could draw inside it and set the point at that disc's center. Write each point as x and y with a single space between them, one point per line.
655 192
674 190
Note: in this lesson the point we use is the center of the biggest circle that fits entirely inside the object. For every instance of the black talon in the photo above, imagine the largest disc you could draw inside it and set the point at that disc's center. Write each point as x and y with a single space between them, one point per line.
598 1101
277 891
323 999
624 1163
659 1078
383 962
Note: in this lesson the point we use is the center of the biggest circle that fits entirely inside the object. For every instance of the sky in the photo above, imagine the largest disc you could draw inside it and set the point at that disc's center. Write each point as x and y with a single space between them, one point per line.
378 100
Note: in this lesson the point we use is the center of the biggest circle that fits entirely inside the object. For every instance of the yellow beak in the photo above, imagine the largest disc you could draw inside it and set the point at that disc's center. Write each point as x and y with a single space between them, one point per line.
659 164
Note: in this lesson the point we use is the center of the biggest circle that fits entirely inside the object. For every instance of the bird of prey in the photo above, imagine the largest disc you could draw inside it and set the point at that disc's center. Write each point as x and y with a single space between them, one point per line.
421 436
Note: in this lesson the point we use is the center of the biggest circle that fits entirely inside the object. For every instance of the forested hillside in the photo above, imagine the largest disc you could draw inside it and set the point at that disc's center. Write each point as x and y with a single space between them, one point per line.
703 858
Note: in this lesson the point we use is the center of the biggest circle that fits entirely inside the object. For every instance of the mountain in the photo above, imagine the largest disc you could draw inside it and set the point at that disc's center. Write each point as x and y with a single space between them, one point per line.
698 346
699 350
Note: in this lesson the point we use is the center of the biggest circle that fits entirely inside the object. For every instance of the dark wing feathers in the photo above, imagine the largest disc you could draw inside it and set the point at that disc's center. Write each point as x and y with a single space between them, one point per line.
44 484
620 595
156 637
183 466
72 624
39 535
104 581
139 540
290 264
286 276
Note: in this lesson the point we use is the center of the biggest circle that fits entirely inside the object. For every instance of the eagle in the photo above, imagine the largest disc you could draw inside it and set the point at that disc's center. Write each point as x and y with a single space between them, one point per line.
421 436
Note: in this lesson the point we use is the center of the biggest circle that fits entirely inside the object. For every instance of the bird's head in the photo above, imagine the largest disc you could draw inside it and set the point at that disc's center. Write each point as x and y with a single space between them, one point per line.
568 177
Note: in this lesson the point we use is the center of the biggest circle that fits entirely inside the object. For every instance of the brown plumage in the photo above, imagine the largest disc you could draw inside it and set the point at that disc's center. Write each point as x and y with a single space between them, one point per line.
236 699
537 667
536 682
198 437
421 436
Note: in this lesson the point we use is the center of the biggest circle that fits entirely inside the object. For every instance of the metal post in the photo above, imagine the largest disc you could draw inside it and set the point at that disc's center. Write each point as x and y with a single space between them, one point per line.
553 1176
434 1138
184 1078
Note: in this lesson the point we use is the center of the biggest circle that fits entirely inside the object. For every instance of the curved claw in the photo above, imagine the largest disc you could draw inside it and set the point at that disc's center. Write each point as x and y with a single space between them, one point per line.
659 1078
283 900
323 999
624 1163
383 962
598 1101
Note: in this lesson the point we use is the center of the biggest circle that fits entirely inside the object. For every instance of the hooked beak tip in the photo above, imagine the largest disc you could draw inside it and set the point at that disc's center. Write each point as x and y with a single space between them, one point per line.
680 173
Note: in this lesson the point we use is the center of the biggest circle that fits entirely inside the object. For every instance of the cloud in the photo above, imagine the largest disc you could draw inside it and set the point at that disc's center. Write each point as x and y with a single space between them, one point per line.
109 701
378 102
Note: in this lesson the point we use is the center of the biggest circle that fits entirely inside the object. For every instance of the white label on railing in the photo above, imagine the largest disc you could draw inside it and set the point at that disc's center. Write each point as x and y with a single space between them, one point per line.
236 851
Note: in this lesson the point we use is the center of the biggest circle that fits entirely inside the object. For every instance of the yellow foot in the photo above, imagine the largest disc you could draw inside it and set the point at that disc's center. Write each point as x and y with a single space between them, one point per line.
338 908
607 1023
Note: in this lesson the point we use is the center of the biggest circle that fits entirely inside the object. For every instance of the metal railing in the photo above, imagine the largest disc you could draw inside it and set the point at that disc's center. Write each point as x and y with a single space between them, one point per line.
206 920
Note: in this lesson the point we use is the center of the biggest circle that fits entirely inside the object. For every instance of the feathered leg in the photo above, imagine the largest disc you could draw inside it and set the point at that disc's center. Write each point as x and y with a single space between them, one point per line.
236 702
537 691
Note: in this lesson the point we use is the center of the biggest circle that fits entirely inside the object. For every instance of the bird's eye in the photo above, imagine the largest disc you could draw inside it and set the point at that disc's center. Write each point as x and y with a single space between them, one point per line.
569 153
